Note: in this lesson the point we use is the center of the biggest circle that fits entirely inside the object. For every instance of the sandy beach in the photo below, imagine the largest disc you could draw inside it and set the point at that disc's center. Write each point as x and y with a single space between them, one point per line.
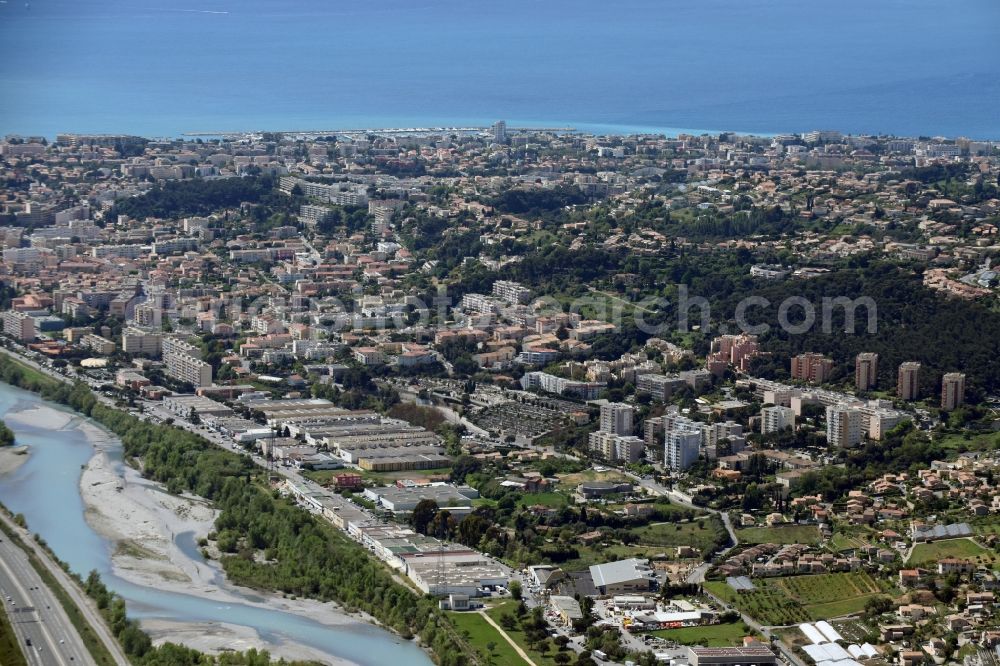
12 457
143 520
41 416
215 637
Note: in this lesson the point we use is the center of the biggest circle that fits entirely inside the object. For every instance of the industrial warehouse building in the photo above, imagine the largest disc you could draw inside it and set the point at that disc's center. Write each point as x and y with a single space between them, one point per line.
632 575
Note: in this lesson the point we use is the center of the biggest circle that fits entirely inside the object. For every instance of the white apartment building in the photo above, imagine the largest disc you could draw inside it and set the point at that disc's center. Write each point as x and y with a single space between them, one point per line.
681 448
141 343
183 361
98 344
22 255
776 418
19 325
148 315
616 448
119 251
617 418
479 303
843 425
512 292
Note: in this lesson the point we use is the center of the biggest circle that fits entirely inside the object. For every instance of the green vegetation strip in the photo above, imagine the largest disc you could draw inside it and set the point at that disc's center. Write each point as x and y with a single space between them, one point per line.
26 377
10 649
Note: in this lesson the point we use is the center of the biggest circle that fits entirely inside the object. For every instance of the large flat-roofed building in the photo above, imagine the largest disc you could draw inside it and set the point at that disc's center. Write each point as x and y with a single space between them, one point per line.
878 417
436 567
184 405
589 490
660 387
562 386
403 500
454 571
616 448
313 418
632 575
567 608
98 344
756 654
681 448
512 292
310 214
357 437
399 459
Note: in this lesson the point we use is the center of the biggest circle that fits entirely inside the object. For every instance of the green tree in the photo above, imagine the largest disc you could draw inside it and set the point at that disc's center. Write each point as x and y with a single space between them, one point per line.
6 435
423 513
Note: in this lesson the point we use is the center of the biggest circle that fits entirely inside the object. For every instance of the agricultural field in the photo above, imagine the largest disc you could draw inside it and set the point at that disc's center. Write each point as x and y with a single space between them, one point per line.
785 534
831 595
926 553
712 635
854 631
842 541
791 636
767 605
481 634
794 599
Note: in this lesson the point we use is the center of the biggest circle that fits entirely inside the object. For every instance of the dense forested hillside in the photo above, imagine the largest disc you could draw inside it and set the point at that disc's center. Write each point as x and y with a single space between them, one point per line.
913 324
181 198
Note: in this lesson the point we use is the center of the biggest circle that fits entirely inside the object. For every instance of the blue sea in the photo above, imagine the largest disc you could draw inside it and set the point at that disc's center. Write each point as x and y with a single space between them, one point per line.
165 67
